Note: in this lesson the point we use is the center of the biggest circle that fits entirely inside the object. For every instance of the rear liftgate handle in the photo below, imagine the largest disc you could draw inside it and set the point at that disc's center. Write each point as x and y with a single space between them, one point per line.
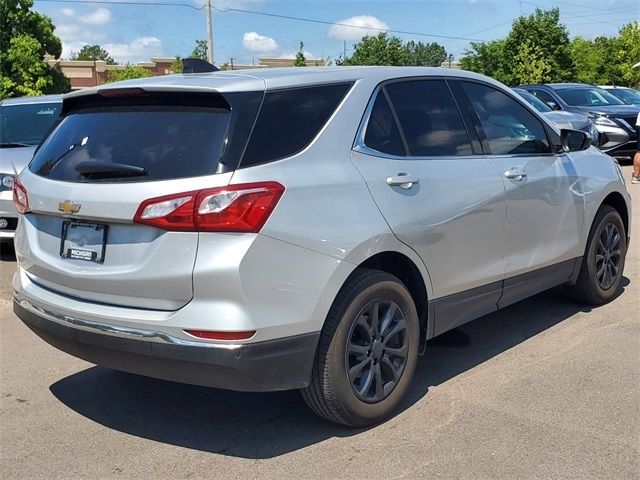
402 180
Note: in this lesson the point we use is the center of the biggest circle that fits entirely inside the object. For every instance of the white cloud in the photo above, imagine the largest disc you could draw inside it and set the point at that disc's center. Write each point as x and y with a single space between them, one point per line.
97 17
352 28
140 49
256 43
290 55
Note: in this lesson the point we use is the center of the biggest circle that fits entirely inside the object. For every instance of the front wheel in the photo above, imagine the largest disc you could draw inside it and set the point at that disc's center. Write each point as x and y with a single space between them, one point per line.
367 351
603 262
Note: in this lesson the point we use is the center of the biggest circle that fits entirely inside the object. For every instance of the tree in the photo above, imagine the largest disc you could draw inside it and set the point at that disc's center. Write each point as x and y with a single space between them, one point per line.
128 73
595 61
424 54
176 66
486 58
93 52
25 37
628 54
200 50
545 35
377 50
300 61
538 38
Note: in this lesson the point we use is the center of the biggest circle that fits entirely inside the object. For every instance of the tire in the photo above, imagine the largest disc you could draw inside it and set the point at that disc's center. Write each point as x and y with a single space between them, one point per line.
346 344
596 286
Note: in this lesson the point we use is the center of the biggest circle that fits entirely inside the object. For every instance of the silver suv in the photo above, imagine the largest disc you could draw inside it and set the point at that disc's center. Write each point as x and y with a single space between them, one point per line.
304 228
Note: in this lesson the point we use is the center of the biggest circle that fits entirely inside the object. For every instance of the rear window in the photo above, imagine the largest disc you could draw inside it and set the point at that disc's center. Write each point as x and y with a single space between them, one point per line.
134 143
290 119
26 124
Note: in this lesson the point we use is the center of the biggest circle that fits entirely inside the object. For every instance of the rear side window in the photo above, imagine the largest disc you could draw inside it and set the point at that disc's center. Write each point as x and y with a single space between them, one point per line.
382 132
289 120
133 143
429 118
509 127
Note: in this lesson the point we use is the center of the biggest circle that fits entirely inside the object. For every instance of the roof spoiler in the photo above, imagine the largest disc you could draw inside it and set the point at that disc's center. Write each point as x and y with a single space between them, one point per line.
197 65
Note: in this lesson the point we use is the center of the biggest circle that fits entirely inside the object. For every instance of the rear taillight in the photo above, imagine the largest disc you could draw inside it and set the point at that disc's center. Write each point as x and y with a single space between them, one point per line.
235 208
20 198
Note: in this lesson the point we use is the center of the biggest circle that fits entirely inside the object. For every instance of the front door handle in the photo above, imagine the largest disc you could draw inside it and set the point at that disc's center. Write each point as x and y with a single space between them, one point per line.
402 180
515 173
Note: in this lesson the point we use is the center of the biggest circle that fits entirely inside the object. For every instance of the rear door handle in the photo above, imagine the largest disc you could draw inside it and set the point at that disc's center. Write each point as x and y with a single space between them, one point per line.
515 173
402 180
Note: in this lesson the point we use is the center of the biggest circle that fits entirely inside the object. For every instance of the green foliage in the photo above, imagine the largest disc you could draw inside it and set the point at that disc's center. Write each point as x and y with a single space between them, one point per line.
486 58
25 37
200 50
628 54
424 54
377 50
300 61
530 65
176 66
385 50
128 73
93 52
595 60
547 38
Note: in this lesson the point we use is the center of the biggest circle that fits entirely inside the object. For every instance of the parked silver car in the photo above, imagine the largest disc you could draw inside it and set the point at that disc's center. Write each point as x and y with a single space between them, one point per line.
23 123
562 118
304 228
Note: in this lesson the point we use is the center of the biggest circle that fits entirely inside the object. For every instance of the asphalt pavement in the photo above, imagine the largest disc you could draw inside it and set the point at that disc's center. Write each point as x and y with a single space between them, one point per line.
543 389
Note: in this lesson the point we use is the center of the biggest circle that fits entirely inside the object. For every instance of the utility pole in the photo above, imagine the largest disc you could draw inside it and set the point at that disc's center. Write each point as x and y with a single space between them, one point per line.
209 33
344 50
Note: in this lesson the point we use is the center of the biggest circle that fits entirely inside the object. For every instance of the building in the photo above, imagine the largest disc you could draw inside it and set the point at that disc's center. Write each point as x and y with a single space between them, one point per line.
82 73
87 73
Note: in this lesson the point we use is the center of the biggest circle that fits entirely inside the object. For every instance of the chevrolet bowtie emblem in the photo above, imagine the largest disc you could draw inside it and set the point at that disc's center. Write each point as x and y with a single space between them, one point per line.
69 207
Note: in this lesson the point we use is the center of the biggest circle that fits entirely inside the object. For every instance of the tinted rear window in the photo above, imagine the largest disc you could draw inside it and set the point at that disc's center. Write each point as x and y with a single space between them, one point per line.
27 124
167 142
290 119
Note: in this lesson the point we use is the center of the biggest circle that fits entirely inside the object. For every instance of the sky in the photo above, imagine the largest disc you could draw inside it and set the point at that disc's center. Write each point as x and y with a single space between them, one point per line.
132 33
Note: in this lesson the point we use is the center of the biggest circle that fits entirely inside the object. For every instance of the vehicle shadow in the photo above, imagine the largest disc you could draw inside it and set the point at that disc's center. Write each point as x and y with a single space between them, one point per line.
265 425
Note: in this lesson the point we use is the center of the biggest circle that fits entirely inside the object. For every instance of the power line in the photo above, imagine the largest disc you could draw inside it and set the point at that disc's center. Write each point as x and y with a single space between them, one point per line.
123 2
325 22
265 14
573 14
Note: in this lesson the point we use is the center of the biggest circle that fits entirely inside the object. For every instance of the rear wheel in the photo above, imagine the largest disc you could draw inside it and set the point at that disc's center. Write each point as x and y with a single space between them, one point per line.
603 263
367 352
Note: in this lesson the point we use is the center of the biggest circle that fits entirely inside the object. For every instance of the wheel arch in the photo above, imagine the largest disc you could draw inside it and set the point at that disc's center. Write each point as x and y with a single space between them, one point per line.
617 201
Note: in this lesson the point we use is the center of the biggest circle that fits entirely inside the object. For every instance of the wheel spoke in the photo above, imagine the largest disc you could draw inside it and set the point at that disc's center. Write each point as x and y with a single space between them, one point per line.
378 382
398 327
374 318
354 372
358 349
394 370
364 390
388 318
362 322
397 351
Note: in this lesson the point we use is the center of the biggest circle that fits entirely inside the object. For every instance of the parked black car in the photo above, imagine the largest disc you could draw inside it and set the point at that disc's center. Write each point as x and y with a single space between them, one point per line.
614 120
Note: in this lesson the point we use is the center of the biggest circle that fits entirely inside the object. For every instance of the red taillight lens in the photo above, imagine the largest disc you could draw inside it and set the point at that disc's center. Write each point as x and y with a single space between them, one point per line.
20 197
211 335
235 208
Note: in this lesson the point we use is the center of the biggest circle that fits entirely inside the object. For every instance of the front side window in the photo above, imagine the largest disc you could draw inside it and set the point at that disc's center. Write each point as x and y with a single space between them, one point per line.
24 125
509 127
544 96
429 118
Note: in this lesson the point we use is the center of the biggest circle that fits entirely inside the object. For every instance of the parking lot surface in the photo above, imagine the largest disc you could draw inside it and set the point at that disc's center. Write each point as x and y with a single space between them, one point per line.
543 389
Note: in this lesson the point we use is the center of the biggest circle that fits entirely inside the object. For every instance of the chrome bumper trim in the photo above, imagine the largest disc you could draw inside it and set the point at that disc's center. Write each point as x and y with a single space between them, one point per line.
115 330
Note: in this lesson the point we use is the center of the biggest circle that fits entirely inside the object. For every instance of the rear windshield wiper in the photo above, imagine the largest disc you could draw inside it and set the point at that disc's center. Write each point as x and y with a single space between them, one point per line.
14 145
101 169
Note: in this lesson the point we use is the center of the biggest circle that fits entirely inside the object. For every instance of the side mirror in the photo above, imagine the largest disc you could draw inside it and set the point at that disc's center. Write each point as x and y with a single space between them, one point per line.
573 140
553 105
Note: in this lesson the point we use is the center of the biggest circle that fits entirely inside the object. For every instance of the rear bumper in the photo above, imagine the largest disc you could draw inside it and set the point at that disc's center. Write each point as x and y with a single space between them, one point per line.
281 364
8 213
